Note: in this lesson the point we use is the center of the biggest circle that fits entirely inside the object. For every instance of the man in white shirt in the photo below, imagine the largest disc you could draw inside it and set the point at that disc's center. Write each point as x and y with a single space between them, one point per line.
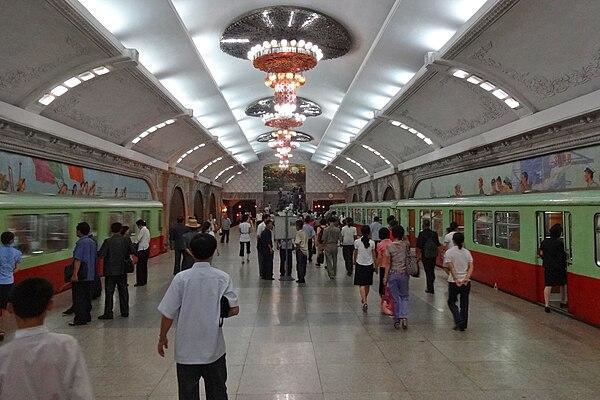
38 364
143 252
199 342
349 235
259 229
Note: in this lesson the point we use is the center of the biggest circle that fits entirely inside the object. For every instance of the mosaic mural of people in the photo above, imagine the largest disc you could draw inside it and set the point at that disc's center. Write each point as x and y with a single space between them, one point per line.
572 170
36 175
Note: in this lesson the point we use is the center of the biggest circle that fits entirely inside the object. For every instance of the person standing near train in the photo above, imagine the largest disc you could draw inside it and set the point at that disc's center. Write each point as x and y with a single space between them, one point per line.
10 260
459 263
85 256
552 251
143 251
176 243
114 251
428 245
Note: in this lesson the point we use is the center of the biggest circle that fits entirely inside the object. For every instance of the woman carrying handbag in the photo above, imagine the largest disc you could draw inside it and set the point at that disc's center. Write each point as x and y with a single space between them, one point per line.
397 276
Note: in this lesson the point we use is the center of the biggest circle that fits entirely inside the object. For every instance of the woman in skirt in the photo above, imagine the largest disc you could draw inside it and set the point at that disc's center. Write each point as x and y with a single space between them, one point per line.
363 257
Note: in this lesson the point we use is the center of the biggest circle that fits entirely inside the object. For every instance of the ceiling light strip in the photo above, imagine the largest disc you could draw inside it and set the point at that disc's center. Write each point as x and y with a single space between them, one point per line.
223 171
190 151
70 83
346 172
209 164
413 131
232 176
359 165
488 86
336 177
152 129
372 150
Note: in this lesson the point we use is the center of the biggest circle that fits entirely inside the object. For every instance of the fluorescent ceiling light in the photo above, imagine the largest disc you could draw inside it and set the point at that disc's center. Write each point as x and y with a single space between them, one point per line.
413 131
47 99
487 86
136 140
404 126
459 73
74 81
86 76
512 103
395 123
101 70
474 80
59 90
161 125
153 129
428 141
169 121
144 134
420 135
499 93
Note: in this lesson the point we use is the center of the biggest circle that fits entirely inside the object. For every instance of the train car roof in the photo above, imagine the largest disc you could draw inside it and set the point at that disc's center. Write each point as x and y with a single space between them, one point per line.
17 200
585 197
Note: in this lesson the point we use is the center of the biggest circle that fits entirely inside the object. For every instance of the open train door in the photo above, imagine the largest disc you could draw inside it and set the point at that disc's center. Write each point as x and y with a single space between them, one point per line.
412 239
545 220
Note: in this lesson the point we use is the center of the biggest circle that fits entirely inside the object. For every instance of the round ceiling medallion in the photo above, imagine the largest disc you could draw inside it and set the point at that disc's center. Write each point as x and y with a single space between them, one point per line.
264 106
285 22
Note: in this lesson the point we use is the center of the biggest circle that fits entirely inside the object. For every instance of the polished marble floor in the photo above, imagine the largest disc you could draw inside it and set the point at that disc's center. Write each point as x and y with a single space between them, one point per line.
313 342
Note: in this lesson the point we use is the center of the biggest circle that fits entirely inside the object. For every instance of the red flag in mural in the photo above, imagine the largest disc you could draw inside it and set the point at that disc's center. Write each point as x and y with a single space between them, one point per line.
76 173
43 172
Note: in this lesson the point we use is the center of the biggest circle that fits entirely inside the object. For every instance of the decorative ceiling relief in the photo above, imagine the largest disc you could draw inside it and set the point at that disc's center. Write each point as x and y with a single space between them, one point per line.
540 85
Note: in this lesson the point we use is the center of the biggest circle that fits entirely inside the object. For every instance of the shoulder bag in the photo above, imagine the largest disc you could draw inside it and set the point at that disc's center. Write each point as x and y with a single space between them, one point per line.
225 308
412 266
69 269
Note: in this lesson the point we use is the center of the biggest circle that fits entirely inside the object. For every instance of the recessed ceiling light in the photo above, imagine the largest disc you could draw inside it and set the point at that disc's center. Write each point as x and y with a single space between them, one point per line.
512 103
395 123
59 90
169 121
474 80
144 134
47 99
101 70
74 81
420 135
86 76
428 141
413 131
153 129
404 126
499 93
136 140
161 125
487 86
459 73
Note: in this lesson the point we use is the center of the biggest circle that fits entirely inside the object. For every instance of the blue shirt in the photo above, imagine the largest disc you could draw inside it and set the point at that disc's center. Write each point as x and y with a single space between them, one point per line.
310 231
86 251
375 227
9 257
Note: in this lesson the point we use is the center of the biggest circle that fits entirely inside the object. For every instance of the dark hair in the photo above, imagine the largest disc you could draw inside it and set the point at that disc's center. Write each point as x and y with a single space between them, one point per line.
458 239
556 231
203 246
116 227
244 218
323 221
499 179
84 228
179 219
124 229
426 223
453 226
299 224
390 218
307 219
393 223
7 237
366 231
525 175
384 233
376 219
493 181
398 231
31 297
140 222
265 216
205 227
332 219
350 221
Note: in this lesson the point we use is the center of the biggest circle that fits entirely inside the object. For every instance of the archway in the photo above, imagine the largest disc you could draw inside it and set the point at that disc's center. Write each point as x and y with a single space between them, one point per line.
388 194
199 206
354 198
213 206
177 206
368 196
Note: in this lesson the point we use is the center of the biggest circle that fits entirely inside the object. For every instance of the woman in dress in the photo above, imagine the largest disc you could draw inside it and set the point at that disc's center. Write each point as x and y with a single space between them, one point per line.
552 251
459 263
396 276
364 259
10 260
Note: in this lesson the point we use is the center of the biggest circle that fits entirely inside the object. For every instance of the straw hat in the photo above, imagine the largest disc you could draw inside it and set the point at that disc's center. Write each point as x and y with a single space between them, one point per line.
192 223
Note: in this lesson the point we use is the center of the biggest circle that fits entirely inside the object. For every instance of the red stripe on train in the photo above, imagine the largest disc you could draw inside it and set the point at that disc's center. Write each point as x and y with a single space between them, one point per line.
527 281
54 272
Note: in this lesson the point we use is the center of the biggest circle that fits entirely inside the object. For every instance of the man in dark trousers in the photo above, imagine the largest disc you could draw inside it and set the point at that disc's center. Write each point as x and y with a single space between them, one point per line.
177 243
428 245
85 256
265 247
114 251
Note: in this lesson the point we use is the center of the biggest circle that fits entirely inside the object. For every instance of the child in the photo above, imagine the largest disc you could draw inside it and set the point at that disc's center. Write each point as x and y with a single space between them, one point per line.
38 364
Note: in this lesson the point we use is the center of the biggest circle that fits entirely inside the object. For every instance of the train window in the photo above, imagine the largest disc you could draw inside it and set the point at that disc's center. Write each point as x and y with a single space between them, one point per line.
483 226
458 216
435 216
57 232
129 218
597 226
508 230
92 219
115 216
35 234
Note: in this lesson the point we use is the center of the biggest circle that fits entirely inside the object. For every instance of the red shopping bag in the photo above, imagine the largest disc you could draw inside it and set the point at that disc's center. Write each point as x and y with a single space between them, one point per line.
387 304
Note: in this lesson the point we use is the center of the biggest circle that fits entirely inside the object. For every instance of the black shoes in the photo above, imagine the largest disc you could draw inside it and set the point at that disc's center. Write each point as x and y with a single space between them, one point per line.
547 309
104 316
77 323
430 291
139 284
68 311
124 315
300 281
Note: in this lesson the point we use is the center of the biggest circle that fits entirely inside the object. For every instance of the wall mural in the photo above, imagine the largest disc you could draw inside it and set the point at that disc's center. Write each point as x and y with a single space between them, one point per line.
550 173
274 178
20 173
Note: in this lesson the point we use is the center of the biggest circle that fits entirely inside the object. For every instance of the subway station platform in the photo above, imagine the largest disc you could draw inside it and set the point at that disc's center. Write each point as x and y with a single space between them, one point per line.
313 342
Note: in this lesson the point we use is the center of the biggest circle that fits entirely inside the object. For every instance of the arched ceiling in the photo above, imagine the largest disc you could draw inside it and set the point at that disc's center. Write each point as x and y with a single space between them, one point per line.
169 82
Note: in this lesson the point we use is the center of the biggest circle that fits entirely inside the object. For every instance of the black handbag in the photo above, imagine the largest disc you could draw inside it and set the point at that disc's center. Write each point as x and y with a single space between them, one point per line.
225 308
69 269
129 267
